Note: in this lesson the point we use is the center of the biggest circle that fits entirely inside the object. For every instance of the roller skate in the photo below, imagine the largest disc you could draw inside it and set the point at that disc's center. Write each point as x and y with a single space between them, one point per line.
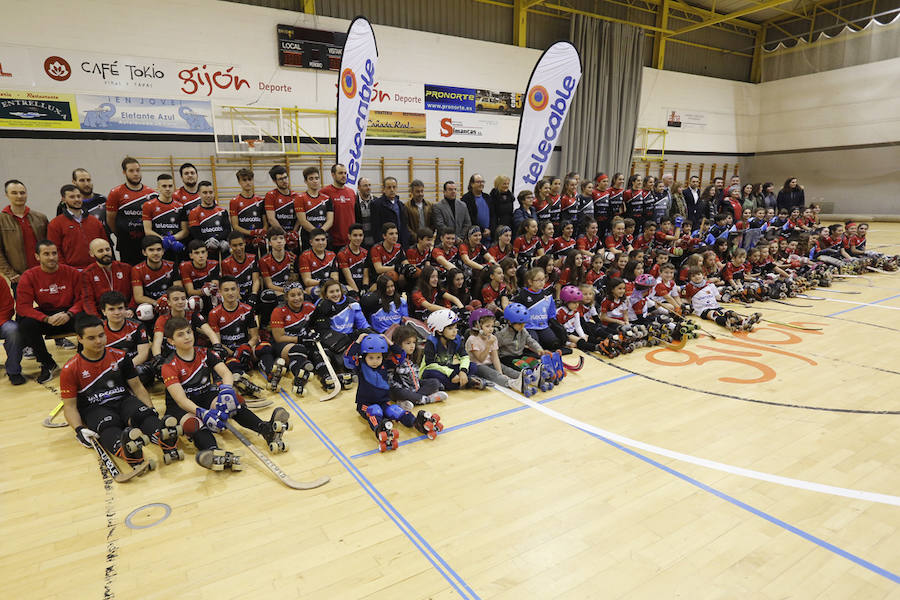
275 376
727 296
749 322
167 438
428 423
217 459
606 348
530 382
327 382
300 382
548 369
132 449
559 366
274 428
388 438
346 380
733 321
245 386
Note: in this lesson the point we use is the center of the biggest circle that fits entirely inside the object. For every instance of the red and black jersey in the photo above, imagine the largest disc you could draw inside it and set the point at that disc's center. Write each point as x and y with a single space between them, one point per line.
52 292
857 242
127 339
191 316
198 276
417 258
355 261
591 276
827 242
649 203
634 203
614 308
641 242
664 288
95 280
129 208
233 326
165 217
546 245
154 281
450 254
732 271
542 208
615 244
318 267
292 322
568 209
601 205
499 254
278 270
561 246
388 258
314 208
189 200
209 222
475 253
283 206
489 294
616 201
554 209
250 212
242 271
589 244
195 375
419 299
97 382
525 249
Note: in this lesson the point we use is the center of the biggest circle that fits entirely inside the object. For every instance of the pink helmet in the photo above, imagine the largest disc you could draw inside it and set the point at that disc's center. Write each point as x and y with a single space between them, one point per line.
570 293
645 281
478 314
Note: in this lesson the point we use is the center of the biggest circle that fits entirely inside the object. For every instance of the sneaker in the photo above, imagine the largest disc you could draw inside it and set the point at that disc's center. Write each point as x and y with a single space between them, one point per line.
406 405
28 353
48 372
65 344
436 397
16 379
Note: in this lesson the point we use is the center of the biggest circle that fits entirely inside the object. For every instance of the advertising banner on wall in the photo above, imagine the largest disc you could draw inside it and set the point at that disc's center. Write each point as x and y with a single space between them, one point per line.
21 110
356 79
446 98
393 124
126 113
548 97
685 119
462 127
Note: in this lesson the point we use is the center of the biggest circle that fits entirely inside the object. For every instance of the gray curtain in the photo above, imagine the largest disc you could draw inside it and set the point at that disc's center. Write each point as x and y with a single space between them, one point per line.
600 128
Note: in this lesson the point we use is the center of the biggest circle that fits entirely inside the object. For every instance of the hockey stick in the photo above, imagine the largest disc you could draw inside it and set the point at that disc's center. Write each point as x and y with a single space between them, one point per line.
48 420
821 289
576 367
297 485
261 403
792 326
810 297
337 384
789 304
114 471
877 270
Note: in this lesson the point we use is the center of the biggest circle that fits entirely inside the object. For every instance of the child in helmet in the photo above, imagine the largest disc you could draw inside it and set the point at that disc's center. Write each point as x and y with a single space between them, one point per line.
569 315
515 346
407 389
445 358
704 296
483 348
368 356
639 307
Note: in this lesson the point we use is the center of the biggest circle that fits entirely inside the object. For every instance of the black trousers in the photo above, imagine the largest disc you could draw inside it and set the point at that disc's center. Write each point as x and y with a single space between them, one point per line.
33 332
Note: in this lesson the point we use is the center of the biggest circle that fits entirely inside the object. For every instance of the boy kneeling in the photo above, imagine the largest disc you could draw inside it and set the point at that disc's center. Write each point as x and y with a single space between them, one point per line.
202 408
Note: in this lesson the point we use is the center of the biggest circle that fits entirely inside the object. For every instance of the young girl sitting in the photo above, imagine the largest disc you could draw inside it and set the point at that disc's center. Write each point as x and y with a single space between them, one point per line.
569 315
429 296
542 323
483 350
403 366
494 294
445 358
704 296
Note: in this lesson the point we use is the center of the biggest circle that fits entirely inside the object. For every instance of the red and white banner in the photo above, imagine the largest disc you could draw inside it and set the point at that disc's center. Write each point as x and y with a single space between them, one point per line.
356 81
548 97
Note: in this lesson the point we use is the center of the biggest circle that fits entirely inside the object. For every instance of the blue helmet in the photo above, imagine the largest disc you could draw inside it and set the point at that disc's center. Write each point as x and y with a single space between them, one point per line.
373 343
515 313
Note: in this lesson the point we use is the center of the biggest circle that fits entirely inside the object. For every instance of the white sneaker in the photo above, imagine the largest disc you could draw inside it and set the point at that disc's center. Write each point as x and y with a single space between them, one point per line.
437 397
517 383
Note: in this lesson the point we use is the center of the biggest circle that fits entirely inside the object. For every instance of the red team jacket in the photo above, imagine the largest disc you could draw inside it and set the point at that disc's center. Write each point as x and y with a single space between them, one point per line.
95 280
73 238
53 292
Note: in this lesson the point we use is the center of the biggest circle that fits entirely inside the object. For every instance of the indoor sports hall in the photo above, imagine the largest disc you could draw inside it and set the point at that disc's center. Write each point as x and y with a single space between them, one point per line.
732 435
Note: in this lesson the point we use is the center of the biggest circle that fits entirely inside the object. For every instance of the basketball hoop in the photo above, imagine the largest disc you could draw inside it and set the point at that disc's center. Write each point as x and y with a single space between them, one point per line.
253 145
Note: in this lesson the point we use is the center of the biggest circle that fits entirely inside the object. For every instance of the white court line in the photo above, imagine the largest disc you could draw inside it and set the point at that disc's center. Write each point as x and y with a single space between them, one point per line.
710 464
830 299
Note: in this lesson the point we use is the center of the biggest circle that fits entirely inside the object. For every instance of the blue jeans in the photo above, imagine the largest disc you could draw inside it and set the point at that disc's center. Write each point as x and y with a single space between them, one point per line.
12 343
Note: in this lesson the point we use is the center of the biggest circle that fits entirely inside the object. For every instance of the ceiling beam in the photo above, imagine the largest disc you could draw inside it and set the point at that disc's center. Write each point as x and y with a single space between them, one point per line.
730 16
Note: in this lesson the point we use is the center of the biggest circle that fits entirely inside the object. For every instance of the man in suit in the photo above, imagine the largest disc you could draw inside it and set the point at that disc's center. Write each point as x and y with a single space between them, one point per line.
691 196
389 209
451 213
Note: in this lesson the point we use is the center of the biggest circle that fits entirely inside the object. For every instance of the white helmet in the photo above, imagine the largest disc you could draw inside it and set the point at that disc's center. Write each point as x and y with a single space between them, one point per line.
441 319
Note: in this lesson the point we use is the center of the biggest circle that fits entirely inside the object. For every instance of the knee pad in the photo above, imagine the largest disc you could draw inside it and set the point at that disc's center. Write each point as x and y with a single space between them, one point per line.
106 422
263 348
393 412
142 413
375 411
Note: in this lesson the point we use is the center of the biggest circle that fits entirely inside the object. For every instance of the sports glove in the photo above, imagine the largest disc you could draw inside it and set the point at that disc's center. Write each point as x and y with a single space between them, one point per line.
170 243
195 303
221 350
214 419
228 400
212 244
162 305
268 297
292 239
84 435
224 247
145 312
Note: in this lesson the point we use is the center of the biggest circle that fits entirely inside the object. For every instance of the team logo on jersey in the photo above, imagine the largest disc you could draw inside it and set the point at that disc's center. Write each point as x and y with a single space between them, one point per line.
183 372
54 289
118 275
98 279
85 374
221 319
538 98
348 83
288 318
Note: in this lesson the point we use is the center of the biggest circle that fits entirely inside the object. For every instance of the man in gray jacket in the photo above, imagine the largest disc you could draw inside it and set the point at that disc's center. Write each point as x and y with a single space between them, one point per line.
451 213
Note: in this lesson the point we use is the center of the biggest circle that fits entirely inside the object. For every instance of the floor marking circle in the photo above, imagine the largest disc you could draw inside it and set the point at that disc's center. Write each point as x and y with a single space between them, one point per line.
147 515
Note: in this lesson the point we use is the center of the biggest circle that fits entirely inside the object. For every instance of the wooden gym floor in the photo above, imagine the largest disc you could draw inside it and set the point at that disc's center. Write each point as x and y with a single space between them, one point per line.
757 466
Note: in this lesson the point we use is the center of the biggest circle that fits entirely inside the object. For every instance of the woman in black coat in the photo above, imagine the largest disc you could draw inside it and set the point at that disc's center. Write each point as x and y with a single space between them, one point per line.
502 203
791 195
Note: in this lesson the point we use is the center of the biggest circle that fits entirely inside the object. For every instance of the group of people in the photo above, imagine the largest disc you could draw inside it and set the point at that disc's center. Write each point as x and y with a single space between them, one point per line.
406 300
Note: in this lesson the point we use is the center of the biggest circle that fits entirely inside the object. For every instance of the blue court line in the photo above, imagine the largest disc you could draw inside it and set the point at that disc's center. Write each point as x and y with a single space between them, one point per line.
840 312
499 414
759 513
414 536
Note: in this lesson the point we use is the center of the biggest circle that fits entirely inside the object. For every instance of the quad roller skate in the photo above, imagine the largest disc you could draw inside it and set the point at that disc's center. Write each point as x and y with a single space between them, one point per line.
733 321
607 348
275 376
274 428
300 382
168 440
548 369
346 380
750 321
219 460
559 366
531 381
246 387
428 423
388 438
327 382
131 451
